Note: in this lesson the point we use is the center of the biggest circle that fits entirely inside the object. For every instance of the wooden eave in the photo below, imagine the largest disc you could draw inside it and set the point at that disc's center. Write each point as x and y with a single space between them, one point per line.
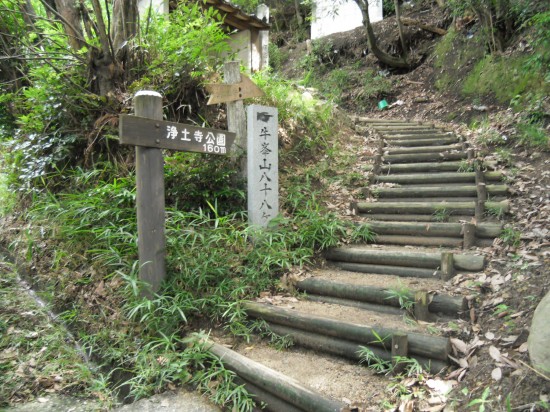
235 18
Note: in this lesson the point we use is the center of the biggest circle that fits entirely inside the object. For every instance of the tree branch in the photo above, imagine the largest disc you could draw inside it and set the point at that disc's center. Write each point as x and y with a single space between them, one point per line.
103 37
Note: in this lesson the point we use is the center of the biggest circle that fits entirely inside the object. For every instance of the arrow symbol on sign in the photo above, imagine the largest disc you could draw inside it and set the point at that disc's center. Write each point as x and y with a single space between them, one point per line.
223 93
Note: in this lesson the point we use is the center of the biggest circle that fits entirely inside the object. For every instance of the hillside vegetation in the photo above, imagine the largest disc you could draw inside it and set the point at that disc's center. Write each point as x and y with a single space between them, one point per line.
67 187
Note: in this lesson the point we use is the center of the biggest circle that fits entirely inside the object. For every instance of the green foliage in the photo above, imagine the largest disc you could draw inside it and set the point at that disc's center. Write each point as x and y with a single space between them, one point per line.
248 6
520 79
466 166
189 43
191 181
454 54
375 362
511 237
314 119
59 120
482 402
44 350
7 197
533 135
494 210
411 366
375 85
505 78
441 214
388 8
276 56
211 262
403 296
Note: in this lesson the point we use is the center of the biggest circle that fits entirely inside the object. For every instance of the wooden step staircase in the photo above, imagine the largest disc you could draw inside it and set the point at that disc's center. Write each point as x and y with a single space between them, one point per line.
429 202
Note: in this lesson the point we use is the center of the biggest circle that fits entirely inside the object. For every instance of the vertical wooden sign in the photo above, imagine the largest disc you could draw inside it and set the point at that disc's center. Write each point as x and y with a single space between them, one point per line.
262 164
150 199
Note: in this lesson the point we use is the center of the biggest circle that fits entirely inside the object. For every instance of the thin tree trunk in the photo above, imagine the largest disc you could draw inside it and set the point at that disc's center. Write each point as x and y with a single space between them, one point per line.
385 58
70 17
299 17
125 23
400 28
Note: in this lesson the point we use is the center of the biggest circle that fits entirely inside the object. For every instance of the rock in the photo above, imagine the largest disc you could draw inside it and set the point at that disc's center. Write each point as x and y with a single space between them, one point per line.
539 349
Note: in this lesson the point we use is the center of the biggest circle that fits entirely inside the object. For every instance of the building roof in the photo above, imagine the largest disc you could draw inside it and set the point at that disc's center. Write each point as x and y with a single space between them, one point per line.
236 18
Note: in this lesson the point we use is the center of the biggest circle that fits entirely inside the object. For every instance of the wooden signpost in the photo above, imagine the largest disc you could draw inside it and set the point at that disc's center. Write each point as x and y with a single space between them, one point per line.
149 133
223 93
142 131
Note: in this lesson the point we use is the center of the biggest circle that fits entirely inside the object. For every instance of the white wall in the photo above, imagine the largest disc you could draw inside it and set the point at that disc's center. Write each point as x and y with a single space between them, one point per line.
159 6
328 18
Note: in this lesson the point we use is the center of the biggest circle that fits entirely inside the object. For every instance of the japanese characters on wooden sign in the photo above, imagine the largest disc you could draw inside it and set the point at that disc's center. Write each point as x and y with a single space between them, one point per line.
263 165
150 134
141 131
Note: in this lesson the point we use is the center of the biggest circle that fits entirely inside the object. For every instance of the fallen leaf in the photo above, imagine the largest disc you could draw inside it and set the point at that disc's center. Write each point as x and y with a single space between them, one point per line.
441 386
524 347
489 335
459 345
495 353
496 374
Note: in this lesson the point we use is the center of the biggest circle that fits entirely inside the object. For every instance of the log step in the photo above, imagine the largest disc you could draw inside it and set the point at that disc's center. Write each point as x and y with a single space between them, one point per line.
443 209
445 304
421 149
429 241
482 230
439 141
402 258
400 271
422 178
381 127
279 389
419 241
418 135
391 130
414 134
395 217
437 191
408 168
429 199
424 157
420 345
449 166
363 119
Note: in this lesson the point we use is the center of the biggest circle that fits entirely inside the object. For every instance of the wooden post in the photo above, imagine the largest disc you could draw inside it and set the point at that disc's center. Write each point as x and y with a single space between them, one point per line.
421 311
447 265
236 117
150 199
399 348
481 193
469 235
471 154
262 13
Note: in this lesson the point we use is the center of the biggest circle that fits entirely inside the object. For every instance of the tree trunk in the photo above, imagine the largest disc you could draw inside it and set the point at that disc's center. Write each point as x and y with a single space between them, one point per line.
385 58
69 14
400 27
125 23
299 17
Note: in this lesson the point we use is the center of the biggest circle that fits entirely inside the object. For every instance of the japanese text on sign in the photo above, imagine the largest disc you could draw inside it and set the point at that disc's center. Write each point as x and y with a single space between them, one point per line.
140 131
263 169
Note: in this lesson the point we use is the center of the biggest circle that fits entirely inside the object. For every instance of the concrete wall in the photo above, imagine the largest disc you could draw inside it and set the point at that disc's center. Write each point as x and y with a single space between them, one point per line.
240 44
159 6
329 18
